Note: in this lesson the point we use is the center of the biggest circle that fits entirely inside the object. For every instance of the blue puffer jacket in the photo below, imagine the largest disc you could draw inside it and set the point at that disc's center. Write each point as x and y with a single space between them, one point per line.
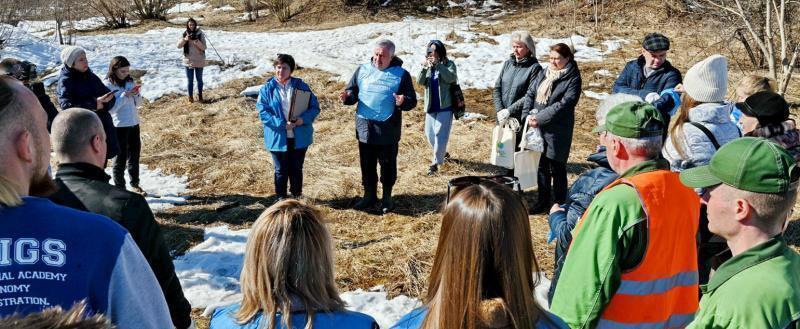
81 89
271 114
632 81
580 195
414 320
225 318
696 147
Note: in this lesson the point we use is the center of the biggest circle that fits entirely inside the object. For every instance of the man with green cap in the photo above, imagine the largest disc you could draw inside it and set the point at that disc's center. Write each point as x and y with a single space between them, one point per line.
751 188
633 260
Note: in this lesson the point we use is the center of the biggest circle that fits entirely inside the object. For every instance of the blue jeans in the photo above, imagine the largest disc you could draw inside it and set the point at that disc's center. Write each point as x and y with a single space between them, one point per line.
289 169
437 129
192 72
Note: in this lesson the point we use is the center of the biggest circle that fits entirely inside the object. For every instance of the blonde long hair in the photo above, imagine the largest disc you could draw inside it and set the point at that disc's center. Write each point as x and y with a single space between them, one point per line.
753 83
8 195
484 252
676 126
289 256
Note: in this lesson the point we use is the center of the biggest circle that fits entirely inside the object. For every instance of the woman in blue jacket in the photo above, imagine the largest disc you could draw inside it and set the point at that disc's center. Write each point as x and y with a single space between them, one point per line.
287 135
483 274
79 87
287 278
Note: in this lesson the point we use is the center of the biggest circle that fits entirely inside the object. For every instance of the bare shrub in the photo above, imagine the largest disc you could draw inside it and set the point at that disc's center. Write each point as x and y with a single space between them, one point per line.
772 25
114 11
152 9
284 10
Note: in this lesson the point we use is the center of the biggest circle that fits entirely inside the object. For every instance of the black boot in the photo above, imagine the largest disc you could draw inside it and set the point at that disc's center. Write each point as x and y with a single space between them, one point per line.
387 204
369 199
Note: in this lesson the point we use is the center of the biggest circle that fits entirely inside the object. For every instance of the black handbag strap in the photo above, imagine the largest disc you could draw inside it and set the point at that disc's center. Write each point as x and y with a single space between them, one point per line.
707 132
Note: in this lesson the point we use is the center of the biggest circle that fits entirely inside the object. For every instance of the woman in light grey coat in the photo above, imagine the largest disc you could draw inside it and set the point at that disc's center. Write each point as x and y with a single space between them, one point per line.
703 119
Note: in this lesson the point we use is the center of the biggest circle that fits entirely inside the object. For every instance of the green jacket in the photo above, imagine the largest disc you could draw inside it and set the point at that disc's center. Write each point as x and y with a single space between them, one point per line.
759 288
613 239
447 77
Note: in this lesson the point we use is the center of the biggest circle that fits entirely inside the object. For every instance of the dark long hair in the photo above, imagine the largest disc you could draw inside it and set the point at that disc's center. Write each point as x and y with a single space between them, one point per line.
117 63
440 50
185 33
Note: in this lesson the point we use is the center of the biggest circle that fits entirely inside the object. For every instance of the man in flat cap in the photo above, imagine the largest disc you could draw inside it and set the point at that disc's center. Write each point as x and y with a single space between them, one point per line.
650 74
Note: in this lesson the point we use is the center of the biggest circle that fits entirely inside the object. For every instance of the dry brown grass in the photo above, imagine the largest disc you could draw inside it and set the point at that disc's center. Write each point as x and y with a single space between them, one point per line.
219 147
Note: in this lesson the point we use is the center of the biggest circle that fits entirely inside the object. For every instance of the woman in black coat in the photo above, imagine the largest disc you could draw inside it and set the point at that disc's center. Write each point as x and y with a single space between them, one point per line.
515 77
79 87
550 106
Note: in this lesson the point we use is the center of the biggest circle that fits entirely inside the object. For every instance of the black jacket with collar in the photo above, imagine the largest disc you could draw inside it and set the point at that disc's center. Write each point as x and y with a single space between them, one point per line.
85 187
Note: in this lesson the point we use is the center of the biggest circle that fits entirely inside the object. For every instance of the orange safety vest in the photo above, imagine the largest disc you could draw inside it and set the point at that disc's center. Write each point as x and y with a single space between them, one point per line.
662 291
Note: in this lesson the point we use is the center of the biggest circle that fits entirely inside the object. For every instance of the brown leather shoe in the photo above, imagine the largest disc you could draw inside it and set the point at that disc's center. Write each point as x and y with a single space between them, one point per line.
191 99
200 99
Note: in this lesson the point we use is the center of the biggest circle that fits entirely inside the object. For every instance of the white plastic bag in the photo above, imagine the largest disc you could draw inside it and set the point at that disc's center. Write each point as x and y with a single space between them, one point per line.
531 138
526 161
503 142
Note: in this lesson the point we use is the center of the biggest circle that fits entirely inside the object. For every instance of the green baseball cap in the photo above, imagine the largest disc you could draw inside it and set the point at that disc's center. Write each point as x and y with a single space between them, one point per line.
749 164
633 120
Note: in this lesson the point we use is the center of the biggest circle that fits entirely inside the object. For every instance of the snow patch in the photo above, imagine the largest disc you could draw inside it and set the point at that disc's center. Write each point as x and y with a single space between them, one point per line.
604 73
251 91
185 7
595 95
164 191
225 8
338 51
209 274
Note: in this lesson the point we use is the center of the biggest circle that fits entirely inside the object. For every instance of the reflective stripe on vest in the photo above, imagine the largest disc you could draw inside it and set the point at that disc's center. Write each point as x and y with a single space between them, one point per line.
662 291
675 321
375 91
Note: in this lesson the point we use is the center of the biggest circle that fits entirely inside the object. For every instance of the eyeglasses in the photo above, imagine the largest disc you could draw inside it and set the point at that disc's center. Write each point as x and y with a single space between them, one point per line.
459 183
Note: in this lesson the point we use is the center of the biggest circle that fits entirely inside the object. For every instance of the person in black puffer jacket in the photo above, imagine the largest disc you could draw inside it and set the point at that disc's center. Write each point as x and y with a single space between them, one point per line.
84 186
79 87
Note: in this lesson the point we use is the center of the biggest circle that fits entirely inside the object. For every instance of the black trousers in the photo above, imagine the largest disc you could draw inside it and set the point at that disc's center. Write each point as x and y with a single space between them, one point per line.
552 181
289 169
370 155
130 150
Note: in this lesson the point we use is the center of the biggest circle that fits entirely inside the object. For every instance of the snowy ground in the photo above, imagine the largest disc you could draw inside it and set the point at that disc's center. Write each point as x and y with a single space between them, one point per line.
209 274
164 191
338 51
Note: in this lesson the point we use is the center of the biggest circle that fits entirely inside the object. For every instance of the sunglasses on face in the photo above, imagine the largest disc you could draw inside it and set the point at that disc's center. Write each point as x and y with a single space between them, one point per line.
458 183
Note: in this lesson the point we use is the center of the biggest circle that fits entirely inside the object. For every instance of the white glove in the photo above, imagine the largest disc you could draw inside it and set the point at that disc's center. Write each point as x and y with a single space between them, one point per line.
502 116
652 97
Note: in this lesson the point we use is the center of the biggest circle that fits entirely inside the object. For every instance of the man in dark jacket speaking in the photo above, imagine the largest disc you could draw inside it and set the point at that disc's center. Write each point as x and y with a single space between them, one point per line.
382 89
650 74
83 185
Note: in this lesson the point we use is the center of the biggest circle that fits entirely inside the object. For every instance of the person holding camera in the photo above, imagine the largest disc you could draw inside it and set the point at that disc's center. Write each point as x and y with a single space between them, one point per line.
25 72
437 76
193 43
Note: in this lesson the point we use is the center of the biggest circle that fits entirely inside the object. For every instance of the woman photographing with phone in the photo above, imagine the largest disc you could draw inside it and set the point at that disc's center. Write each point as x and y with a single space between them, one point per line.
126 121
193 42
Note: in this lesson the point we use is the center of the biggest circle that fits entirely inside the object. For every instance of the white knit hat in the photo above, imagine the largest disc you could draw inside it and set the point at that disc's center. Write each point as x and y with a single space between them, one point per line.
70 54
707 81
